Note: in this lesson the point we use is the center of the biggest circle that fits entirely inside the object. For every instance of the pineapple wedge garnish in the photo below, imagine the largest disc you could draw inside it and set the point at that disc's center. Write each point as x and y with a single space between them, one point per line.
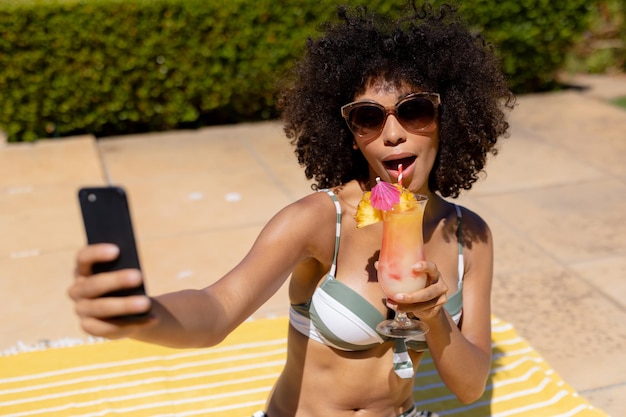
407 199
366 214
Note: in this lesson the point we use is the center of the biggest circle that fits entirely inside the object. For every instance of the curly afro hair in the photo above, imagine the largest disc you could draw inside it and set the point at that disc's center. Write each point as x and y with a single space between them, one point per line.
432 50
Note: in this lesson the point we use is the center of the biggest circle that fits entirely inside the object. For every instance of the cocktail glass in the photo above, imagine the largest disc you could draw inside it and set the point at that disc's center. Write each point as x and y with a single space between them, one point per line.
402 247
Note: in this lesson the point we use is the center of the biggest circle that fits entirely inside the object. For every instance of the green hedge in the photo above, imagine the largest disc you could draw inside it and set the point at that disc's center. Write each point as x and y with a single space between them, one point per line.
108 66
533 36
603 48
121 66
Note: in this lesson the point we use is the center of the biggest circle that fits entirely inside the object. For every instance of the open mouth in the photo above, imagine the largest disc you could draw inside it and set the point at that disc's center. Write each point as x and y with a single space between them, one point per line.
392 165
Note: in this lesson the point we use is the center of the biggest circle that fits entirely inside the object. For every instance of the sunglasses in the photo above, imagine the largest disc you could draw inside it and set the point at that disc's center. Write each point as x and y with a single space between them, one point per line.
415 112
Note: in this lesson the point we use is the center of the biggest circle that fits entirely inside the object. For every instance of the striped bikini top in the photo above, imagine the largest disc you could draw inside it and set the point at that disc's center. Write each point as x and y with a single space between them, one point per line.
339 317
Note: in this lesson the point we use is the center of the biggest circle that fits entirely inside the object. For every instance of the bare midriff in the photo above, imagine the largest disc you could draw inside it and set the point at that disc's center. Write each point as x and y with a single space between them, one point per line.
320 381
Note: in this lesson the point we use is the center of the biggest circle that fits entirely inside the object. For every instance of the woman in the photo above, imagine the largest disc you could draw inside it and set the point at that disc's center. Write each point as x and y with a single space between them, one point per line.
369 95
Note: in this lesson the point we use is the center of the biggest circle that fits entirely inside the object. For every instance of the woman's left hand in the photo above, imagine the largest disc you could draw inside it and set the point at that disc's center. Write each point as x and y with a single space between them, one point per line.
427 302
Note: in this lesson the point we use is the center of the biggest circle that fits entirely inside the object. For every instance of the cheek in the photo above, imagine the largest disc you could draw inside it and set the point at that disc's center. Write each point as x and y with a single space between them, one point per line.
428 157
370 149
431 148
433 151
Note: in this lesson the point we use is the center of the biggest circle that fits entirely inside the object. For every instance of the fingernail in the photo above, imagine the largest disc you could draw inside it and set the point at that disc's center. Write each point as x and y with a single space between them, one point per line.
144 303
399 297
134 276
112 250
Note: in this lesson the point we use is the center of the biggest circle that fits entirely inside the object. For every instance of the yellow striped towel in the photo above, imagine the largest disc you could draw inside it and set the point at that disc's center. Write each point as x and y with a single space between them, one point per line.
131 378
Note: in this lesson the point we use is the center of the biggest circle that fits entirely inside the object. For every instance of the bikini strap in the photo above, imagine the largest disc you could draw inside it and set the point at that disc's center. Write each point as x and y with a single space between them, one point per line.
459 238
333 268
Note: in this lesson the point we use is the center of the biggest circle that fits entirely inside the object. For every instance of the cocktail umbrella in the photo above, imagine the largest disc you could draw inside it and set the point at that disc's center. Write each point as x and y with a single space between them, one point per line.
384 195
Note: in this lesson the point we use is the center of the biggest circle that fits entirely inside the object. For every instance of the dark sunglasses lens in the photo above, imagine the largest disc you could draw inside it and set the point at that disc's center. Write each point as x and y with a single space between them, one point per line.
416 113
367 120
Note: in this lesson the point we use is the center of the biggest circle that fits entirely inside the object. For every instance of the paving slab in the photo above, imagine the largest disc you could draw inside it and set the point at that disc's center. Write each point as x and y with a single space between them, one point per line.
33 295
585 129
571 223
605 274
39 220
48 162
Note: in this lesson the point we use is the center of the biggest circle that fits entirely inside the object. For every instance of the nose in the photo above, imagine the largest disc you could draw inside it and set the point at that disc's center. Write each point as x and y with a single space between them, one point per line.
393 133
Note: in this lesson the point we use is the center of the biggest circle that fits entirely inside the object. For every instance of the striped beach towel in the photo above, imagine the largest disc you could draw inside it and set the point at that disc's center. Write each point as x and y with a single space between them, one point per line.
521 383
233 379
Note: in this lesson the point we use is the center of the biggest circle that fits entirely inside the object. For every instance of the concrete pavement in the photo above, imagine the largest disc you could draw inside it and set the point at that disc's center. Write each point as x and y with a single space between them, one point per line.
555 198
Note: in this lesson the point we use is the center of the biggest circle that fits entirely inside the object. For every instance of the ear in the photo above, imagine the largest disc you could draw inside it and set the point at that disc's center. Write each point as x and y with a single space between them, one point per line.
355 146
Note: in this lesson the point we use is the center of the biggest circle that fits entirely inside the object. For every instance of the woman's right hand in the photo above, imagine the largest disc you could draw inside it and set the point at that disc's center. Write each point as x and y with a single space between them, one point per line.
98 315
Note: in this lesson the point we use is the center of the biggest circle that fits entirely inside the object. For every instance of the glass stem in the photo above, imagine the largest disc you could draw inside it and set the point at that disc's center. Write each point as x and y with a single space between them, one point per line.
402 319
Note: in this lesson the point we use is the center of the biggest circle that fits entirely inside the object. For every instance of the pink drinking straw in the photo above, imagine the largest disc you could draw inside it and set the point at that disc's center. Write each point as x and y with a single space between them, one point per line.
400 175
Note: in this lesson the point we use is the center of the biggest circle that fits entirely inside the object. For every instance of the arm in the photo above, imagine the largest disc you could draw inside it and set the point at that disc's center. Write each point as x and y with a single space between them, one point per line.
194 318
462 355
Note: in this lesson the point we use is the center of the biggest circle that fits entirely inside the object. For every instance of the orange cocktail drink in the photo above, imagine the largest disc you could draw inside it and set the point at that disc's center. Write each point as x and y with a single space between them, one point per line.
402 246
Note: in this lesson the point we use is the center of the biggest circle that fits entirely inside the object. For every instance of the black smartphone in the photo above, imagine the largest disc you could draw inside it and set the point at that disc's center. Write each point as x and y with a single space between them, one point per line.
107 219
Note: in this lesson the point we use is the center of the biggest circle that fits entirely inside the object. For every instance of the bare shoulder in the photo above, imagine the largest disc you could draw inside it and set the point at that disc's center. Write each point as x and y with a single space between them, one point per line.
310 210
474 229
306 222
477 244
478 256
299 232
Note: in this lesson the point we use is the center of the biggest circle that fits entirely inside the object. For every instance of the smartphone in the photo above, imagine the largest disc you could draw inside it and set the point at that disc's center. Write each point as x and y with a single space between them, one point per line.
107 219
